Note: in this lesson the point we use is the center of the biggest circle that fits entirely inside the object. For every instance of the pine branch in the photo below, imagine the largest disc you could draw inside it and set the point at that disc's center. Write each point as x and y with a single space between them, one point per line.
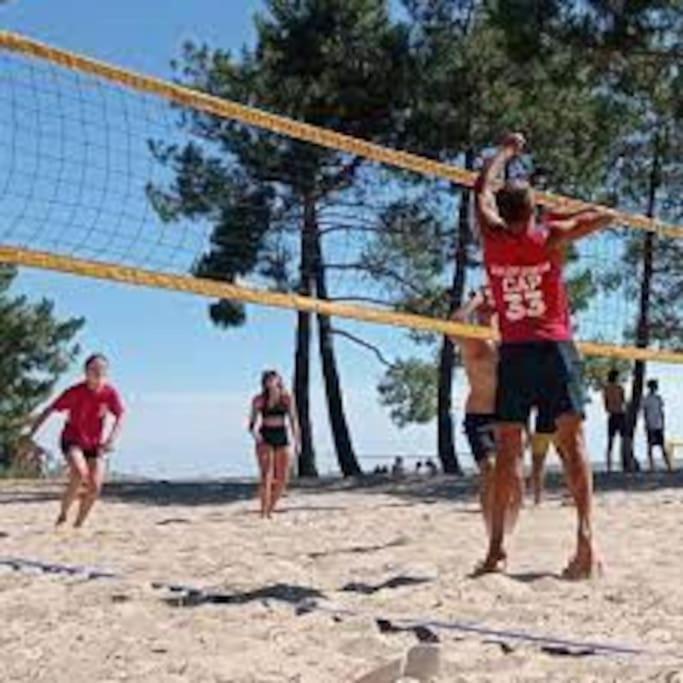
366 345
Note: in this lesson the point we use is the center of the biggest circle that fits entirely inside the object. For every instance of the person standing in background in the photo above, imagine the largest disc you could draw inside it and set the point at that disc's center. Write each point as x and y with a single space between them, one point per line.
653 414
614 399
271 410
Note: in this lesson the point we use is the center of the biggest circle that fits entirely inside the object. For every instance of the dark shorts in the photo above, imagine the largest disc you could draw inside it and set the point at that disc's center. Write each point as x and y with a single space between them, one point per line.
480 434
542 375
616 424
655 437
275 436
544 424
88 453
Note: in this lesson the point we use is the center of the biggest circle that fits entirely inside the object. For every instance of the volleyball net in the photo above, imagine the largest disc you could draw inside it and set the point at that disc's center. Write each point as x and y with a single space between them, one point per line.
109 174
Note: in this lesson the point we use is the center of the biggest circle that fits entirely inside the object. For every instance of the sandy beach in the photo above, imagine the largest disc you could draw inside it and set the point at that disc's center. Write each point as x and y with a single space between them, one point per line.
322 592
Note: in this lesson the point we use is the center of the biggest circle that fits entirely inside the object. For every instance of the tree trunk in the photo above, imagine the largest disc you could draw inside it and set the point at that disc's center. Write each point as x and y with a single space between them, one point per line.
445 431
302 360
346 457
628 459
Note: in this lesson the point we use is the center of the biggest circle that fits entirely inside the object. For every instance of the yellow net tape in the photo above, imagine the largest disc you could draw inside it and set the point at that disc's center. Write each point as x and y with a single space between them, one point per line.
289 127
224 290
326 138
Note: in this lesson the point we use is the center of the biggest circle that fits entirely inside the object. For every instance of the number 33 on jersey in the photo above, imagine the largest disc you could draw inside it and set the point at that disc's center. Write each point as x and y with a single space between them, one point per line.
523 295
525 277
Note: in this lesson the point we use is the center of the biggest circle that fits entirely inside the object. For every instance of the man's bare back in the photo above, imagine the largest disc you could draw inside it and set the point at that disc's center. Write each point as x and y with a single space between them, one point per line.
479 359
615 398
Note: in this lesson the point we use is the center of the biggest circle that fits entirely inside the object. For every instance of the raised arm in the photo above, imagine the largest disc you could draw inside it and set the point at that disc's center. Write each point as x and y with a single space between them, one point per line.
464 313
490 179
565 231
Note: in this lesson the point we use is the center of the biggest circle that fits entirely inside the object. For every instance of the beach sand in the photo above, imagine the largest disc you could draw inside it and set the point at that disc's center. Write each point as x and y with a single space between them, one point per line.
356 553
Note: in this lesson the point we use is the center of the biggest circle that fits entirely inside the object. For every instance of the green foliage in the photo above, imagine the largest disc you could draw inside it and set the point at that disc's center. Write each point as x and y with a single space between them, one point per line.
35 349
408 389
335 64
476 77
632 53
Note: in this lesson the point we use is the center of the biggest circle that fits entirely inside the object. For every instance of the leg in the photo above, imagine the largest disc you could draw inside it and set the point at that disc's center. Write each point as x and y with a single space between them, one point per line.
288 474
650 454
540 444
480 432
508 488
486 489
571 440
610 446
667 452
280 478
96 470
78 473
265 456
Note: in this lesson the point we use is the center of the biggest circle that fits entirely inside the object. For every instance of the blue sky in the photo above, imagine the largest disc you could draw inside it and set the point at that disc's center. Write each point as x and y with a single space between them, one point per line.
188 384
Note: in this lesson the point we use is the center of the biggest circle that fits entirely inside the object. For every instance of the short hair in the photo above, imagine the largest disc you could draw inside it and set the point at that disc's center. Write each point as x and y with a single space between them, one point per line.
515 201
94 358
613 376
653 385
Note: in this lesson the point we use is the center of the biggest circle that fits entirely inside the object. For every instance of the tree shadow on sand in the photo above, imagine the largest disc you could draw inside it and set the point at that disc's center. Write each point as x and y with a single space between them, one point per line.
185 493
181 596
409 491
465 489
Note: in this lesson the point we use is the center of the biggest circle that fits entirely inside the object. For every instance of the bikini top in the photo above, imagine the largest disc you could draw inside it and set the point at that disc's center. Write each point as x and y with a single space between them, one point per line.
280 409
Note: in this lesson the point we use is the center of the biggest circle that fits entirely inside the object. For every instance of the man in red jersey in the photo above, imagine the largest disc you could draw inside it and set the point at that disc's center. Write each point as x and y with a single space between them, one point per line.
539 365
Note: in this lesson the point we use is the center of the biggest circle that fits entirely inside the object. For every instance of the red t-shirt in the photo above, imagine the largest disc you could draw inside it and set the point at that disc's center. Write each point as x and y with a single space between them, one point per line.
87 410
527 285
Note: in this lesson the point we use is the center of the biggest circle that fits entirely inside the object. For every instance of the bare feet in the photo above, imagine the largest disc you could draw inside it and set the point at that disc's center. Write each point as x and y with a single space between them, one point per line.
584 565
493 564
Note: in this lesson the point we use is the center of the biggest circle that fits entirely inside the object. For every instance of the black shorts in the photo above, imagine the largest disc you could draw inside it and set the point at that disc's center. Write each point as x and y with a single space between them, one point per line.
480 434
616 424
275 436
542 375
655 437
88 453
544 424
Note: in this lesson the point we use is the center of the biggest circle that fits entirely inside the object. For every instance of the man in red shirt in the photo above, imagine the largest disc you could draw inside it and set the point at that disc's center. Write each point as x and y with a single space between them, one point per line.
87 405
539 366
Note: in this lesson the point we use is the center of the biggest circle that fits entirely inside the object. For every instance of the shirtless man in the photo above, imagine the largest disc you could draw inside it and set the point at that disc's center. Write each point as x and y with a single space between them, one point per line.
539 365
480 358
614 399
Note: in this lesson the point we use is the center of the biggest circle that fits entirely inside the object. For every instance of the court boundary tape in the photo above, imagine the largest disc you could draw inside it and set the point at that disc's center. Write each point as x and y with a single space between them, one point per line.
308 606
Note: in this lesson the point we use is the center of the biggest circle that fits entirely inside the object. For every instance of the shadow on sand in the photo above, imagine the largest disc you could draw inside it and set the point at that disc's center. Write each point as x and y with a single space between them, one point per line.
279 592
409 491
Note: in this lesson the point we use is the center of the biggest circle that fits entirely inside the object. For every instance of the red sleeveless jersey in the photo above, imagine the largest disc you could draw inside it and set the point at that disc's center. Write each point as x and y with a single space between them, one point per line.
527 284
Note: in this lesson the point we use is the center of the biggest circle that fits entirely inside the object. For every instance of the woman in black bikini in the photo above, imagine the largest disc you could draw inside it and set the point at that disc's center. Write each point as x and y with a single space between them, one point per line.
270 411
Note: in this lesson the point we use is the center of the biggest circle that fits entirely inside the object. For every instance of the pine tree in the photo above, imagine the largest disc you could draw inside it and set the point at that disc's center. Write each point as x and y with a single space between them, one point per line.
35 350
333 63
